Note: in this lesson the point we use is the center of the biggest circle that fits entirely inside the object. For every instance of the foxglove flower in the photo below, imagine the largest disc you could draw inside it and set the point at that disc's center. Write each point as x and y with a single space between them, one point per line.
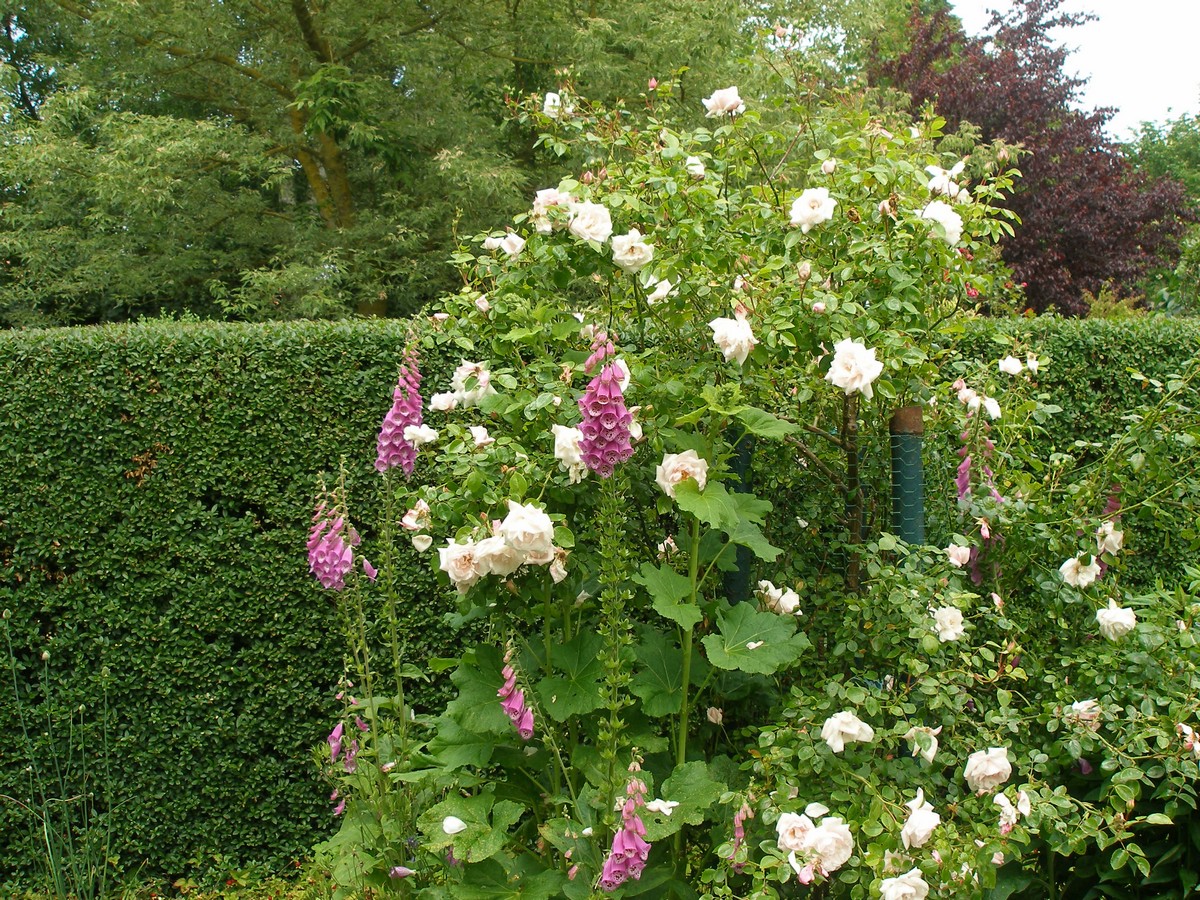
512 701
606 440
330 547
630 850
393 447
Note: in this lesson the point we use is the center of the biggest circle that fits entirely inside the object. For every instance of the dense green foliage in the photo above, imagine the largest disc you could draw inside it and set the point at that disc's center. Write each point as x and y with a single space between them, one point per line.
158 485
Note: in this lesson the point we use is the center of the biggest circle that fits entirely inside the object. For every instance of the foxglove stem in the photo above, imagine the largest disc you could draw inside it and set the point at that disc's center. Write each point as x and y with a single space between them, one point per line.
686 674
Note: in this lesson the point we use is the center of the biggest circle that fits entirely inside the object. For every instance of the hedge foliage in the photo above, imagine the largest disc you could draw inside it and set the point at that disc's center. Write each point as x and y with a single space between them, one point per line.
154 501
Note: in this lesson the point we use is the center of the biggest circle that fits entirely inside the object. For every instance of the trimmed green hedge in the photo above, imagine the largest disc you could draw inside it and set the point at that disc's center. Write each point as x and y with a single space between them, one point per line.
157 485
154 502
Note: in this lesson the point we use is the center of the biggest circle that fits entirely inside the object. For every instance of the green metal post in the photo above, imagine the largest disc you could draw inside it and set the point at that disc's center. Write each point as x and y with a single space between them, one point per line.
908 482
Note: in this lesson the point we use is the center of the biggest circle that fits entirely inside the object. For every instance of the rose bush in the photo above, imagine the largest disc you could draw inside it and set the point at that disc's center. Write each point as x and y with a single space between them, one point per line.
588 538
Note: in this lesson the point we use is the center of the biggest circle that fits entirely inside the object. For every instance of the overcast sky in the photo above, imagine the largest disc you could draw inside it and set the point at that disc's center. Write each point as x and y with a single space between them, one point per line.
1141 56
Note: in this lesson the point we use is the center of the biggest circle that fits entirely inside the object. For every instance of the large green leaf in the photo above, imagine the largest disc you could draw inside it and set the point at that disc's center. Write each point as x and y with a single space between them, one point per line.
487 822
667 588
577 690
660 677
694 789
747 534
754 641
762 423
713 506
456 747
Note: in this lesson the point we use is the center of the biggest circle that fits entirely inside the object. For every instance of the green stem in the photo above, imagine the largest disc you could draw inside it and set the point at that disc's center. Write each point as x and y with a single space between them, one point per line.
686 674
388 570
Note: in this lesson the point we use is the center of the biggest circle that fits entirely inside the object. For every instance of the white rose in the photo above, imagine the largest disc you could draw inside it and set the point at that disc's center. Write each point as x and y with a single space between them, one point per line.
942 214
854 368
812 207
418 518
948 623
830 843
922 819
479 434
552 105
1116 621
491 243
458 561
1108 539
963 196
1087 712
929 751
695 166
482 304
443 402
992 407
662 290
1024 806
724 101
786 602
959 555
829 166
544 201
1032 363
987 769
528 529
591 222
630 252
512 244
453 825
567 452
419 435
1008 813
909 886
678 467
715 714
942 181
1010 365
843 728
1076 574
495 556
733 338
793 831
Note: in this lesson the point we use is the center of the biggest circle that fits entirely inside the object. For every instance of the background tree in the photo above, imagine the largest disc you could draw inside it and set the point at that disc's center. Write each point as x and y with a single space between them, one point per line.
1089 218
379 128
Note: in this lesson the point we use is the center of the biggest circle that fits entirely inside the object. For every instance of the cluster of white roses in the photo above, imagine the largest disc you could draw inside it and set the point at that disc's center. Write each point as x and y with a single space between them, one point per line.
470 383
784 601
1081 571
814 848
973 400
524 537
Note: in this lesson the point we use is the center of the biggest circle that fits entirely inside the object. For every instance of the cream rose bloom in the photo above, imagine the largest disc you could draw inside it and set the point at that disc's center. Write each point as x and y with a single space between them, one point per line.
922 819
959 555
495 556
948 623
1108 539
843 728
1010 365
854 368
812 207
941 180
733 338
909 886
784 601
992 407
552 105
512 244
1116 621
630 252
1076 574
793 831
528 529
419 435
987 769
928 752
661 291
479 434
829 166
942 214
724 101
567 451
468 372
458 561
678 467
830 845
543 202
695 166
591 222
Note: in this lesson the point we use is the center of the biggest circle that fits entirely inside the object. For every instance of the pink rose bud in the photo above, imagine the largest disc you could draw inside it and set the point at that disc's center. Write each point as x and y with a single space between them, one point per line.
818 307
653 83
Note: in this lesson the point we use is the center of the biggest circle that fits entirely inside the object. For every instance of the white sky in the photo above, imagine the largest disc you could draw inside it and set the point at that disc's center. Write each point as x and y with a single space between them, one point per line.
1142 56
